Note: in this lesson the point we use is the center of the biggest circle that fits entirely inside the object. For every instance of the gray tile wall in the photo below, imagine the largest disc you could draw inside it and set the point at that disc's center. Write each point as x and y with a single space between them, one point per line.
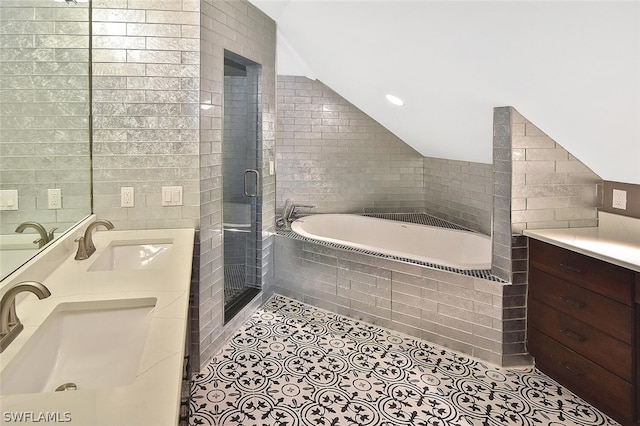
551 188
537 184
241 28
145 81
457 311
501 237
158 96
44 112
514 306
332 155
460 192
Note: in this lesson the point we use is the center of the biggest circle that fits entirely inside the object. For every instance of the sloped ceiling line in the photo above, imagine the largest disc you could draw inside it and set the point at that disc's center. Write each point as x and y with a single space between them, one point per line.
572 67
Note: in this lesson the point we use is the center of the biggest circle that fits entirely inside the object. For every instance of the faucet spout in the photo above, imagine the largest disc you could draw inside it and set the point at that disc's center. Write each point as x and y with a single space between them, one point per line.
85 244
10 325
290 211
44 236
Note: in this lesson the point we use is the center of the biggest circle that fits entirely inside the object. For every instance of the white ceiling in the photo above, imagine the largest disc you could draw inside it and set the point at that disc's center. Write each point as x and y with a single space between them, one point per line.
571 67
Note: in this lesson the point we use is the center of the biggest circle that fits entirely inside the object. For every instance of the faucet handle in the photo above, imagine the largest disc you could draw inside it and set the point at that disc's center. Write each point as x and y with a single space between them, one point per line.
50 235
81 254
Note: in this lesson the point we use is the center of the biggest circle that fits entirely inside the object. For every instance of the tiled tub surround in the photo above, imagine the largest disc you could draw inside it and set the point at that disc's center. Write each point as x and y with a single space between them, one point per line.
154 395
297 365
460 192
332 155
475 313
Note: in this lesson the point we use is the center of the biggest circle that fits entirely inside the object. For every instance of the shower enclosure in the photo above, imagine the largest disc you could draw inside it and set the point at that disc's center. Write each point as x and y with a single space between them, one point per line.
242 201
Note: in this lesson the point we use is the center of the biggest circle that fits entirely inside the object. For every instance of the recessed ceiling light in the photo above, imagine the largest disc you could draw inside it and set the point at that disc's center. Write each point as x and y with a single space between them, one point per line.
395 100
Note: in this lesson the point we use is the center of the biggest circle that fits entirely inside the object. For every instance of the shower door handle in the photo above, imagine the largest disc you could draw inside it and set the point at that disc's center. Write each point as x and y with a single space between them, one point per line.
257 182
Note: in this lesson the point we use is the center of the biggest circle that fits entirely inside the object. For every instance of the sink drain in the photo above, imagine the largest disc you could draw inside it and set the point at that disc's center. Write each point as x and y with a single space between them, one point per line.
67 387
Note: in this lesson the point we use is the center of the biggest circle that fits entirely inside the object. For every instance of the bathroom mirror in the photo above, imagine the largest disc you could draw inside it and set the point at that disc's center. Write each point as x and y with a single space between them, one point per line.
45 124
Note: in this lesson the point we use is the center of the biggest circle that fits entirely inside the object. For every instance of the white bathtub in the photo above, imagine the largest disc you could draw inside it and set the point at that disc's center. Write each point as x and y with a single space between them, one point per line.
447 247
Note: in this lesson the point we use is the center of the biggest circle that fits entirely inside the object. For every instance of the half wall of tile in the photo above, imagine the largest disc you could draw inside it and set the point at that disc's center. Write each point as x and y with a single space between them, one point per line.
551 188
537 183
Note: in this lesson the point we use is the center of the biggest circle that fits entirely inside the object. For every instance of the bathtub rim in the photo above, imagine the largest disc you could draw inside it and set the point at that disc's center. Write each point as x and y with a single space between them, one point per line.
476 273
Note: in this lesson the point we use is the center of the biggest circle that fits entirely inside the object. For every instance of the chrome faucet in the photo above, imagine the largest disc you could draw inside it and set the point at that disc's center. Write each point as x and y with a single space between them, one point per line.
85 244
10 325
282 221
289 211
45 237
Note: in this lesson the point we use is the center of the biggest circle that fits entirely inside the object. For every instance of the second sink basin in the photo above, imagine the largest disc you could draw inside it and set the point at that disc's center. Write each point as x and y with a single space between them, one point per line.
84 345
131 255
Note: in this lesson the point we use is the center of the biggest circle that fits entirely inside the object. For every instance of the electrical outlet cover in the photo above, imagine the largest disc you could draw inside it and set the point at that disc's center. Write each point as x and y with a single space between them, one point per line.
54 198
619 199
126 196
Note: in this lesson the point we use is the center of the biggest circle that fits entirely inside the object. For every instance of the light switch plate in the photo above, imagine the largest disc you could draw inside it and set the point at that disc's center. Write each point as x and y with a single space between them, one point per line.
171 196
9 199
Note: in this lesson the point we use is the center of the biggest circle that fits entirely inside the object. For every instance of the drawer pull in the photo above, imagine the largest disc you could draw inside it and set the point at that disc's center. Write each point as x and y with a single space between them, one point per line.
572 335
571 369
572 302
571 268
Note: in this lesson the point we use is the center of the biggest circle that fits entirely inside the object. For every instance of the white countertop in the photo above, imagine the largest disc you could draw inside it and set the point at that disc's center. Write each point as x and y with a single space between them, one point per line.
616 239
153 397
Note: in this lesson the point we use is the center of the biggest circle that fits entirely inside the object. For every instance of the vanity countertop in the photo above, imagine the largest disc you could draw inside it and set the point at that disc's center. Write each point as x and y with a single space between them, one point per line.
154 395
616 240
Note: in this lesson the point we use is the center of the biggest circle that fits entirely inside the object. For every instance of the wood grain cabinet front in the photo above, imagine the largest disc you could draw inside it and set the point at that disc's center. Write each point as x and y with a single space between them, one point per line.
582 321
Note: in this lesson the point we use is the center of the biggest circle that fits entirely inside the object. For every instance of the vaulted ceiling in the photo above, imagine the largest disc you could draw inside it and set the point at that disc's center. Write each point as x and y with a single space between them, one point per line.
571 67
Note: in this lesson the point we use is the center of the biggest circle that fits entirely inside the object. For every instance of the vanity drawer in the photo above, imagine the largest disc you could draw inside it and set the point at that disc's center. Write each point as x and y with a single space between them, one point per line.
595 384
601 277
601 348
604 314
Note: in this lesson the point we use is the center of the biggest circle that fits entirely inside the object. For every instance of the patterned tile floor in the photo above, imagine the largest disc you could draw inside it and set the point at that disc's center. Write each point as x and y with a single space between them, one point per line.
294 365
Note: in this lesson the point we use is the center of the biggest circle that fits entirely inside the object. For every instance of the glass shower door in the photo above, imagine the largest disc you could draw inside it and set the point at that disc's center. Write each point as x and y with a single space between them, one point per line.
242 201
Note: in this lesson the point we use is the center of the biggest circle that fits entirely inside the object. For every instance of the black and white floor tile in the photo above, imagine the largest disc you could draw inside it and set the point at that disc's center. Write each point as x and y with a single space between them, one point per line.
294 365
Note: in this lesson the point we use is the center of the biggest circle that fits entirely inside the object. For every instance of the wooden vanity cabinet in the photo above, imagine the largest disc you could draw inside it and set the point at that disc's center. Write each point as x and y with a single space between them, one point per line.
582 326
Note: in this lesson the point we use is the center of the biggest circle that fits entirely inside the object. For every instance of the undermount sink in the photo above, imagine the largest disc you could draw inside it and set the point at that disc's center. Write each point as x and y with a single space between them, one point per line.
83 345
132 255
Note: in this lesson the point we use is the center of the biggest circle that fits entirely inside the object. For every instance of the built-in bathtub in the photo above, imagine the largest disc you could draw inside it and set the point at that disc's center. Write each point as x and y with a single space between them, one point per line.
461 307
454 248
